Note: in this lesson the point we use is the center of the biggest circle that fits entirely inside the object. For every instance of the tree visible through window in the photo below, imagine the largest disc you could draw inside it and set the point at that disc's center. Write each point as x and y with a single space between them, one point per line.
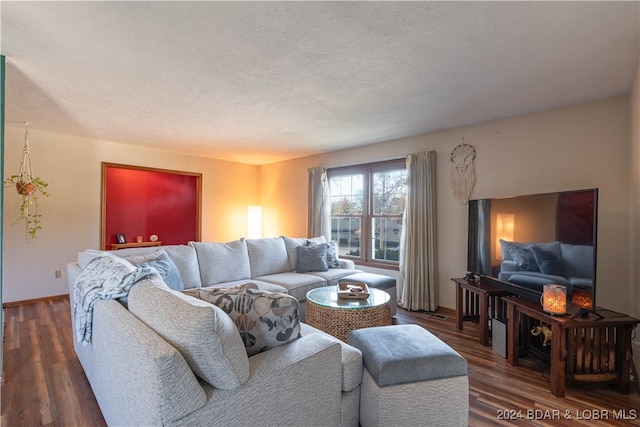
367 203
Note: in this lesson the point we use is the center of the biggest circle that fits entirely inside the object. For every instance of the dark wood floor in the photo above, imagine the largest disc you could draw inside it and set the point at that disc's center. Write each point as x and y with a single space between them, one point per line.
45 384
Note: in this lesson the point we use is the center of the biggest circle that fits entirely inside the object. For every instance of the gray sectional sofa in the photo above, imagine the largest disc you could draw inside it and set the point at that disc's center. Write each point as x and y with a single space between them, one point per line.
145 348
160 356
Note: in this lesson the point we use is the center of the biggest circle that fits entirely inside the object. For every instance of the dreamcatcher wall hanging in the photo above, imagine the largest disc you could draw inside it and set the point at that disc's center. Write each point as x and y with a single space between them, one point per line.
463 172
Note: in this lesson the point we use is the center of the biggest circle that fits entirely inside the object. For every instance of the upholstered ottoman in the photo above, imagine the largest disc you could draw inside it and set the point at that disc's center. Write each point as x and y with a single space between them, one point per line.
410 378
378 281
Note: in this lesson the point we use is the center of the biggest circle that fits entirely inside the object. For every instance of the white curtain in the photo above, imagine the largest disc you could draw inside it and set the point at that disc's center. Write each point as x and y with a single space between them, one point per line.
319 222
418 261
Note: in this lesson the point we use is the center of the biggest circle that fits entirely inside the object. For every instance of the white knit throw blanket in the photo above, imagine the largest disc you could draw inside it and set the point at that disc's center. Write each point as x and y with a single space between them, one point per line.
106 277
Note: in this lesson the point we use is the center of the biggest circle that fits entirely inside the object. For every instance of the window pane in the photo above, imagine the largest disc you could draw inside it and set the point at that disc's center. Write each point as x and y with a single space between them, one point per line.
346 231
386 239
389 192
346 194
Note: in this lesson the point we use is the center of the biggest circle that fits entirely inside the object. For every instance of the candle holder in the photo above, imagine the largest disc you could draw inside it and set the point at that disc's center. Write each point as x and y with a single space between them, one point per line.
554 299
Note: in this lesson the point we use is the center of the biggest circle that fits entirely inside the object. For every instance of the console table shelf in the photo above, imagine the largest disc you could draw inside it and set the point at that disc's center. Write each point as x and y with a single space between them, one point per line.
478 302
116 246
590 349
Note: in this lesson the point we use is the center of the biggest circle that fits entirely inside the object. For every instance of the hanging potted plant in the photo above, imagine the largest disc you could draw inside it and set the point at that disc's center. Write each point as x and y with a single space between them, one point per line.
28 187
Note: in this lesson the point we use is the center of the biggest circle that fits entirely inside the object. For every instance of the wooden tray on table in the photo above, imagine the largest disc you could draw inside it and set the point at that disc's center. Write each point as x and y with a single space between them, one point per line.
353 290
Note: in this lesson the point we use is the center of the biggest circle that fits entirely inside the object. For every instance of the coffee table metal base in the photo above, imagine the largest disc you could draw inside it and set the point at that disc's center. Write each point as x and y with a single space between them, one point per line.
340 321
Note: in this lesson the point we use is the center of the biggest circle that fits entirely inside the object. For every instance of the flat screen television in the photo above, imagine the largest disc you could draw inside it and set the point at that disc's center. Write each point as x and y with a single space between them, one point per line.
522 243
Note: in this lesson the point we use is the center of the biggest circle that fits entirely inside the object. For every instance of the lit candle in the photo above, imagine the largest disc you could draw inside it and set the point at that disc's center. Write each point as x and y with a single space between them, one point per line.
554 299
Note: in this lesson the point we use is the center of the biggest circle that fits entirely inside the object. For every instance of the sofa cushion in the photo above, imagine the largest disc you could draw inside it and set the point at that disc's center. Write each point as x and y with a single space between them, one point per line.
333 275
312 258
291 243
265 319
186 260
222 262
134 255
205 336
267 256
536 281
262 285
296 284
167 270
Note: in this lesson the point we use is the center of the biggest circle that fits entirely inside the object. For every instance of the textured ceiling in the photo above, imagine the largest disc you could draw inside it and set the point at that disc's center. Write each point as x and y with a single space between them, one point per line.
258 82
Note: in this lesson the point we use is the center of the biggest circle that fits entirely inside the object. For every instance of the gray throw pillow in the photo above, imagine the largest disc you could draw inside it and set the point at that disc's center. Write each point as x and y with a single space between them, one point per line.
312 258
523 258
547 261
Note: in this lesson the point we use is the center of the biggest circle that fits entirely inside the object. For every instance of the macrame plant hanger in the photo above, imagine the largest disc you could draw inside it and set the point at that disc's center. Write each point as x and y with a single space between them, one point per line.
25 184
28 187
463 172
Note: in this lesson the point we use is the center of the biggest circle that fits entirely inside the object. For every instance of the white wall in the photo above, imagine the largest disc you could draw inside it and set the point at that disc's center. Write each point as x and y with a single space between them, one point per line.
634 248
581 146
71 214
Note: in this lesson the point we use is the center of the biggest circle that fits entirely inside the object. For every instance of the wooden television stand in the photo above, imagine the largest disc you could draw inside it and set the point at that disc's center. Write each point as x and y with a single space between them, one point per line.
478 302
589 349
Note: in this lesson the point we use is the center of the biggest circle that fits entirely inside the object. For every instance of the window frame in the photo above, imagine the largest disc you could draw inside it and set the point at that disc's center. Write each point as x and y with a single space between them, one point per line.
366 236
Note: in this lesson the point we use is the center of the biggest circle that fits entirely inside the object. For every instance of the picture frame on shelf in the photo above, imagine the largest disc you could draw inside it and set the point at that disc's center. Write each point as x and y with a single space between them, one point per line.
120 239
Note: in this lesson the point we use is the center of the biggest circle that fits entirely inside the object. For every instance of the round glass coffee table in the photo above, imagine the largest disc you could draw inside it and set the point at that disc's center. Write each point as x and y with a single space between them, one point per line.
338 316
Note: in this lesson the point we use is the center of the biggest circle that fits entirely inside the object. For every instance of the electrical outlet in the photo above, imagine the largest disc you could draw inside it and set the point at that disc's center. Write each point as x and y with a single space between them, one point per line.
58 274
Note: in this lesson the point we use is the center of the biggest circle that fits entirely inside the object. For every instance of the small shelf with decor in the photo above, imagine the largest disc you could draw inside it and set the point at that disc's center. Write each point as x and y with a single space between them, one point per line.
115 246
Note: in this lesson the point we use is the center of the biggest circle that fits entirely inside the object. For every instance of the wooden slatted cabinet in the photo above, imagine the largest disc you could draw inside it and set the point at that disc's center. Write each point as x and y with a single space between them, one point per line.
587 349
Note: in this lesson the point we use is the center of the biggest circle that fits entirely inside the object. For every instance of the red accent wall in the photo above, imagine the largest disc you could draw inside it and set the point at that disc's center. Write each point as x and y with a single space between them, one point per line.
145 202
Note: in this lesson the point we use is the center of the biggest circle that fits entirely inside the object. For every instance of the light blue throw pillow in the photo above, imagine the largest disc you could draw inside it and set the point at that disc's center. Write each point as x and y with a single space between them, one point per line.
167 269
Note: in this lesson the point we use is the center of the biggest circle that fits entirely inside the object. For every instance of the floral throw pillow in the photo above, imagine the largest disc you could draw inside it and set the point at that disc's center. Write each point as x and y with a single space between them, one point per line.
264 319
332 255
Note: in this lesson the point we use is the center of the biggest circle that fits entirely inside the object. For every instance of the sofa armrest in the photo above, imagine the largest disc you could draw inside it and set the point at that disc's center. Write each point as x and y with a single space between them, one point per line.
73 271
137 377
348 264
508 266
295 384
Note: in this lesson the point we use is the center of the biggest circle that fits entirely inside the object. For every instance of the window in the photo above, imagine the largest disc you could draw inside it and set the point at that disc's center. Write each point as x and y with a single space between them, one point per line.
367 203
